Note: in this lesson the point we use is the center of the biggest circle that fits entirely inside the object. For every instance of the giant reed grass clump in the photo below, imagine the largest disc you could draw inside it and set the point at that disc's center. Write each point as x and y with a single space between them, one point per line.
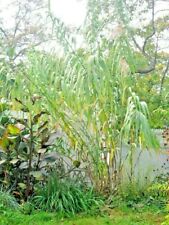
88 95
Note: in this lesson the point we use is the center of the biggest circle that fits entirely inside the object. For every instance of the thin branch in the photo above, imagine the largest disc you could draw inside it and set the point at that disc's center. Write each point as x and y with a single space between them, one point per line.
147 70
153 26
23 50
4 33
18 22
161 10
152 64
152 60
136 43
163 77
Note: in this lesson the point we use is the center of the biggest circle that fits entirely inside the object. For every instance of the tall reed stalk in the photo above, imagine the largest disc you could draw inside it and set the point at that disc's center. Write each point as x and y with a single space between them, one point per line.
87 92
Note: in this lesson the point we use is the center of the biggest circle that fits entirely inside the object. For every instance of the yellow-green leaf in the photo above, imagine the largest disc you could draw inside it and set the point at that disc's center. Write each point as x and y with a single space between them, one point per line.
4 143
12 129
22 185
37 175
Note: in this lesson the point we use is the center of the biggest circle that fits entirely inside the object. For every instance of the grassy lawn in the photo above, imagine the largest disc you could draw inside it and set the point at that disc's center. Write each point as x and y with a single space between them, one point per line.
116 217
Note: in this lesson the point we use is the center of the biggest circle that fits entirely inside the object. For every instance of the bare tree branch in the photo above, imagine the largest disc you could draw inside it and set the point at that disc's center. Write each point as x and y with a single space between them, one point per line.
136 43
153 27
17 22
25 32
161 10
4 32
163 77
152 65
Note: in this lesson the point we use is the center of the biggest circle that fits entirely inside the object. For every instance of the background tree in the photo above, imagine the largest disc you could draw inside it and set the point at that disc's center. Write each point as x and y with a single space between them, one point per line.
143 25
24 29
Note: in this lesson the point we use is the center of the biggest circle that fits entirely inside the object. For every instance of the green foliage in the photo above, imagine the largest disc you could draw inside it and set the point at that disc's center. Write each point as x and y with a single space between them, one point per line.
27 208
65 196
167 217
150 195
7 201
93 104
147 88
22 140
115 217
157 192
95 98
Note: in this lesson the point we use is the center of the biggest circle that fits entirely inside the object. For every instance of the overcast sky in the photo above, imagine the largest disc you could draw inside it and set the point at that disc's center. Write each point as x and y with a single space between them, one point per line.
72 12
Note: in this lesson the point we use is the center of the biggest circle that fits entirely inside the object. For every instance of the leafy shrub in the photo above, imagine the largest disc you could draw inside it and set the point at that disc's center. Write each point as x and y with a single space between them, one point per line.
158 192
66 197
166 222
137 196
23 138
7 200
